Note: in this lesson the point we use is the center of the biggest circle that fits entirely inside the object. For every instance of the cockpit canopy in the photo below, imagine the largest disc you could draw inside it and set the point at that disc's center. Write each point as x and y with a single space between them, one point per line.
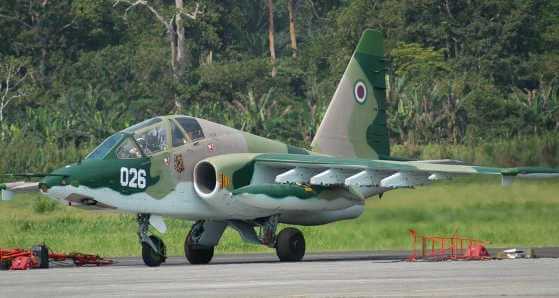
149 137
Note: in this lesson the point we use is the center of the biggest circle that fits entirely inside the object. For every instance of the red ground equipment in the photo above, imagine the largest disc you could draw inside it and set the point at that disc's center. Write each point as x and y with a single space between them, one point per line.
39 257
437 248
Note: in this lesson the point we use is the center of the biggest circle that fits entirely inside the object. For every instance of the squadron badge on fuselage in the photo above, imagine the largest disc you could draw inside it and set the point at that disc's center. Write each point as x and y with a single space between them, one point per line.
179 164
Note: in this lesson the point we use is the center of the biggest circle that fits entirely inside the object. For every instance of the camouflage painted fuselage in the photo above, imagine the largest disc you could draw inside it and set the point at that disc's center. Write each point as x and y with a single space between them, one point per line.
243 189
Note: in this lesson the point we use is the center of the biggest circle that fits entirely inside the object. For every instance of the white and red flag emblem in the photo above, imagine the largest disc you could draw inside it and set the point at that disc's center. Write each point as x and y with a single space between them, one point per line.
211 147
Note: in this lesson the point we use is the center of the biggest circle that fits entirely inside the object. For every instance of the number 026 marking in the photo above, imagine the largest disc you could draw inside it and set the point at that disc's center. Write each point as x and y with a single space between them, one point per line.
133 178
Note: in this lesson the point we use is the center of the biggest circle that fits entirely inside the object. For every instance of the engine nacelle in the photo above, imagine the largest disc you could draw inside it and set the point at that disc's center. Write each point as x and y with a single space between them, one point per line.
216 174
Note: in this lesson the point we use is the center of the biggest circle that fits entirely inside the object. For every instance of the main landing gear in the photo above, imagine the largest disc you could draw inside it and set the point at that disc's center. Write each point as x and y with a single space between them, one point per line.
289 243
195 251
154 252
205 235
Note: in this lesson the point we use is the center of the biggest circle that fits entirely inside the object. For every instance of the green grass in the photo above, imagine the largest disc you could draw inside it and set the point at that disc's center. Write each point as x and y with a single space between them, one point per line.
526 214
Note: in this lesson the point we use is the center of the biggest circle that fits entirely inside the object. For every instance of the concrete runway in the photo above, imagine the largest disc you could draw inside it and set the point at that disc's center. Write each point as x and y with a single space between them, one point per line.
336 274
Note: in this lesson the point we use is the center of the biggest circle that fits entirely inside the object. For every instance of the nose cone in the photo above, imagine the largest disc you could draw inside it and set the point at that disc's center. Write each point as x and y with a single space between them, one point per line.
96 174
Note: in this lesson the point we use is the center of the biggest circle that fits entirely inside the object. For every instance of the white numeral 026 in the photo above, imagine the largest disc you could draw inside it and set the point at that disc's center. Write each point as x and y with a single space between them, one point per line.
133 178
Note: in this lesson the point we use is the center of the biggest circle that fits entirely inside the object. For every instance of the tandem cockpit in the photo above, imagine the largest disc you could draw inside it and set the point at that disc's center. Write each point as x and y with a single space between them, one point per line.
148 138
138 150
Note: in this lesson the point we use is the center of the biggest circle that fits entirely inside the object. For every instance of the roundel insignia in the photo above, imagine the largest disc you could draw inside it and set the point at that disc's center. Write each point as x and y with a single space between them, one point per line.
360 92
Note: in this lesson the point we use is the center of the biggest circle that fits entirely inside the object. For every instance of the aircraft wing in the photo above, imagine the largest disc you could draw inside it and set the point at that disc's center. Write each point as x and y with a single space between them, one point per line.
9 189
332 171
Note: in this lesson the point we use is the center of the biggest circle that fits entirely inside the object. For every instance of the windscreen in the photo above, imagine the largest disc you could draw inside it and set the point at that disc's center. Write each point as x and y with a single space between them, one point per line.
150 136
128 149
105 148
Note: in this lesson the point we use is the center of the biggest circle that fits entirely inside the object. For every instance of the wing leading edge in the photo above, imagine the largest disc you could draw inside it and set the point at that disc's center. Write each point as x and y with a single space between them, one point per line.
329 171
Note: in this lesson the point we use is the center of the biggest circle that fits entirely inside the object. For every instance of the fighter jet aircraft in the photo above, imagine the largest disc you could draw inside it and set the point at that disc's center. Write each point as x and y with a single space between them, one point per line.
218 177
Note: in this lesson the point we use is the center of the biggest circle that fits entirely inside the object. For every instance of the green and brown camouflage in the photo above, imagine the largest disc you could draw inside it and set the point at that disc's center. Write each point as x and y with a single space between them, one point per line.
355 122
194 169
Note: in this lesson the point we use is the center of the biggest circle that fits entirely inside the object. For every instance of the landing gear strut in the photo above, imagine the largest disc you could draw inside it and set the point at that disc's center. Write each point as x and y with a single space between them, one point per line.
153 249
289 243
195 253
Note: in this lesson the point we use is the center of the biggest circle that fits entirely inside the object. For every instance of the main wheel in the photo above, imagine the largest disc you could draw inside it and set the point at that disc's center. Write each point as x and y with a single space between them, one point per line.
197 255
290 245
151 257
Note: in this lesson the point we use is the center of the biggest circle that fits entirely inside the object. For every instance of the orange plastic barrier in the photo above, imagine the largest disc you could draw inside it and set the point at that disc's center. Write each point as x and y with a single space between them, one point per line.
438 248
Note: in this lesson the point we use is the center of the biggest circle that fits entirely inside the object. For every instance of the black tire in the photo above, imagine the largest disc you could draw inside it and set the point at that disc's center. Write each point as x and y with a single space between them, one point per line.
41 252
5 265
197 255
290 245
150 256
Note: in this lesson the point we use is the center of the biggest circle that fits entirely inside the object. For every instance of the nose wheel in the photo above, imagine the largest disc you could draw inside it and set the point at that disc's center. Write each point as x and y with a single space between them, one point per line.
154 257
290 245
154 252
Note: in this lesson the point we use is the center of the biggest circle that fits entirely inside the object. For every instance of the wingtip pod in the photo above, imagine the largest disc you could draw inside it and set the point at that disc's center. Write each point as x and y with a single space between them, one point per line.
508 175
7 195
10 189
506 180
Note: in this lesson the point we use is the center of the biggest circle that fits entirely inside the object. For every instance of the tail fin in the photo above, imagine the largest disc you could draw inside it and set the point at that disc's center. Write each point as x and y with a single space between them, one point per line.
355 122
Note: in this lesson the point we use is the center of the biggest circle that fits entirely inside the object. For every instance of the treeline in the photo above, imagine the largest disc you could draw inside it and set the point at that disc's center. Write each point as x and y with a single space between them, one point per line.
461 72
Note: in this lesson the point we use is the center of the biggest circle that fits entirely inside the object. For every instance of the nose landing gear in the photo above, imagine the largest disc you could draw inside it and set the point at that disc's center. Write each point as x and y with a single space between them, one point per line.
154 252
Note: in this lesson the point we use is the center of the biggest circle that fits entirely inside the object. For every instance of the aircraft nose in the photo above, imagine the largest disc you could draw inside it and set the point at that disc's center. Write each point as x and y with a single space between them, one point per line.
50 181
59 177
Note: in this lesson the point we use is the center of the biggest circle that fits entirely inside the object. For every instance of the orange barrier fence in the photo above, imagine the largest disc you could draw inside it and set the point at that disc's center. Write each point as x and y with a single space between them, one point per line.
437 248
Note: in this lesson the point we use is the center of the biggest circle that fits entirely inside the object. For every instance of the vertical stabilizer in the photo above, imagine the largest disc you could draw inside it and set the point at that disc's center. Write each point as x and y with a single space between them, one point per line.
355 122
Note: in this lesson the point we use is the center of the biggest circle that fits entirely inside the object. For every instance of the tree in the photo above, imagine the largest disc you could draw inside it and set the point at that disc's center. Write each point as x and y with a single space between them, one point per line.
271 37
13 74
41 27
291 7
174 25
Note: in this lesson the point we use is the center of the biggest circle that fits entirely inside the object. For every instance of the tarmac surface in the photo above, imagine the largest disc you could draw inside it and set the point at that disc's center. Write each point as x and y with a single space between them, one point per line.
327 274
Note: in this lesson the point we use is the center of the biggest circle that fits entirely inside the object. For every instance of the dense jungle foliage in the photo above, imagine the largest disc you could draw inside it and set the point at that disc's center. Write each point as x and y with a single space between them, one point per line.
470 79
